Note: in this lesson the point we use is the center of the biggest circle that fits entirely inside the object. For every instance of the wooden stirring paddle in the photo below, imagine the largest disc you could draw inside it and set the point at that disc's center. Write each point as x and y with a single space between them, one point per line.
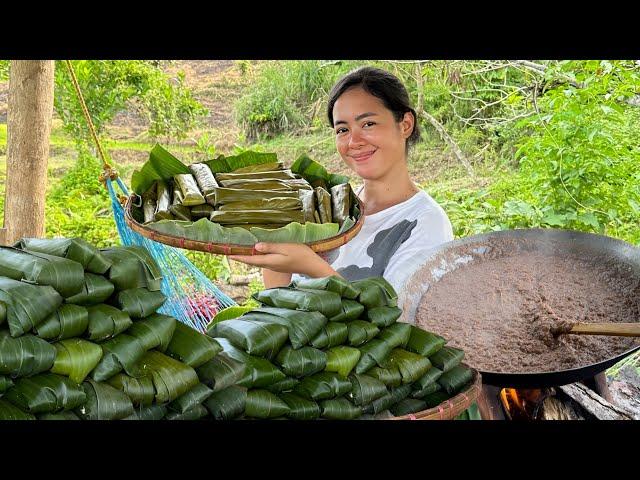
617 329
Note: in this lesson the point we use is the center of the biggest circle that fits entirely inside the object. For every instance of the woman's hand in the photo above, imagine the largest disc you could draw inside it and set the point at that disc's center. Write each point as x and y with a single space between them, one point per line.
287 258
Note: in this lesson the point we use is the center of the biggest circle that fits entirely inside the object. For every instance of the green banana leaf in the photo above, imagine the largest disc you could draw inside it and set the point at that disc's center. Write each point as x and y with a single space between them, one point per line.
67 322
323 199
26 306
275 203
340 409
196 413
340 202
161 165
396 335
453 380
75 249
225 196
332 334
332 283
58 416
300 408
264 404
25 355
177 209
390 294
308 300
301 362
65 276
76 358
350 311
148 412
302 326
191 399
245 162
221 372
119 353
3 312
407 406
140 390
133 267
267 184
391 377
255 338
346 225
106 322
372 353
366 389
150 204
429 378
313 171
227 404
259 372
205 180
383 316
281 174
5 383
342 359
201 211
424 343
258 168
46 392
293 232
360 332
104 402
307 199
436 398
155 331
192 347
204 230
411 365
376 292
286 385
95 289
323 385
229 313
446 358
236 217
10 412
428 390
163 205
394 396
171 378
139 302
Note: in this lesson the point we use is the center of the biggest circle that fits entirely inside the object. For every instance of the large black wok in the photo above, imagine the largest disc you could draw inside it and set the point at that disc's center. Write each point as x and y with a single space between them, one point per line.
449 256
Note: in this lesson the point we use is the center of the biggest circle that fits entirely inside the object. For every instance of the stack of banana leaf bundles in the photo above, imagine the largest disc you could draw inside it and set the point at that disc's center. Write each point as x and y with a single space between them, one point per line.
81 338
333 349
243 199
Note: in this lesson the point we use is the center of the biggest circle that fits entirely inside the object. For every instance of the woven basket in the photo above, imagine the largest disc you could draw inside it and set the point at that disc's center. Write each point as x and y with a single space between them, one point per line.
231 248
451 408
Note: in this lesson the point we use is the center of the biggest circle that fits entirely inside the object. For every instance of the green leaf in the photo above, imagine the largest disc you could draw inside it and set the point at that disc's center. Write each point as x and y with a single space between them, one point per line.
342 359
554 219
350 311
429 378
133 267
46 392
227 404
120 352
67 322
373 352
407 406
148 412
286 385
76 358
300 408
327 303
301 362
323 385
104 402
312 171
383 403
171 378
391 376
95 289
25 355
192 347
190 400
140 390
106 322
264 404
589 219
332 334
5 383
446 358
259 372
340 409
221 372
75 249
139 302
255 338
332 283
424 343
229 313
248 158
302 326
383 316
155 331
161 165
366 389
411 365
195 413
361 331
9 412
453 380
396 335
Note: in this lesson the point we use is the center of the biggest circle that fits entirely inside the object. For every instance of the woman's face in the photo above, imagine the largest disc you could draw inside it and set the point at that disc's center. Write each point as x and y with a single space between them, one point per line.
368 138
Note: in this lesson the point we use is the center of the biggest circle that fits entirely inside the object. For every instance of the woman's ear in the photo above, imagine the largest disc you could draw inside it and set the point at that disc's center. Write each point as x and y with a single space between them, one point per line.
406 124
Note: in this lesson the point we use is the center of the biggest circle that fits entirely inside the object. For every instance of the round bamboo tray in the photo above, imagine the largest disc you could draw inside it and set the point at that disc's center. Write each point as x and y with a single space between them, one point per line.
232 248
453 407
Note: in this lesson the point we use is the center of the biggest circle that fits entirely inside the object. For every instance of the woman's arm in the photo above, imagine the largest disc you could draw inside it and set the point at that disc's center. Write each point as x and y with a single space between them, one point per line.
273 279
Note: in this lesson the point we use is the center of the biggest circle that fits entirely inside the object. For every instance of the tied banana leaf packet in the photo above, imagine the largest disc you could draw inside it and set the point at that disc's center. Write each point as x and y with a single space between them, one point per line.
255 338
323 385
76 358
95 289
155 331
301 362
332 283
191 194
221 372
300 408
75 249
140 390
106 322
122 352
446 358
46 393
68 321
453 380
139 302
331 335
411 365
302 326
25 355
132 267
190 400
327 303
423 342
171 378
192 347
205 180
227 404
342 359
264 404
259 372
104 402
340 409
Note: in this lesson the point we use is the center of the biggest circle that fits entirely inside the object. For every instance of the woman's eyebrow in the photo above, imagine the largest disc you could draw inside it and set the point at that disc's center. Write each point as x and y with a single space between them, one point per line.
358 118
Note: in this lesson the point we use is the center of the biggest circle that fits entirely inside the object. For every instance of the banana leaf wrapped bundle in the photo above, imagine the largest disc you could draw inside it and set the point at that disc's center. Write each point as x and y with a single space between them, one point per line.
46 392
333 283
383 316
227 404
191 194
75 249
436 398
411 365
407 406
316 173
119 353
171 378
104 402
264 404
25 355
76 358
286 385
139 302
26 306
428 390
67 322
234 195
133 267
281 174
331 335
148 412
149 204
201 211
373 353
453 380
65 276
68 415
255 338
302 326
95 289
366 389
3 312
10 412
221 372
196 413
259 372
394 396
323 198
155 331
323 385
396 335
446 358
237 217
429 378
106 322
342 359
340 202
308 205
376 292
360 332
190 400
308 300
301 362
424 343
300 408
205 180
192 347
275 203
391 376
163 201
350 311
177 209
267 184
140 390
5 383
340 409
260 167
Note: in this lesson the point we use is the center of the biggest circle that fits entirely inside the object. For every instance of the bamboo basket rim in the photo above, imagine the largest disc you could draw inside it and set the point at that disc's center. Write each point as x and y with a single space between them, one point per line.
453 407
318 246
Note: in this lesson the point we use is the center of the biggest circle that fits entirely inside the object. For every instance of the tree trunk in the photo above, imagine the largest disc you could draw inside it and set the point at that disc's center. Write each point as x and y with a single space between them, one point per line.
28 130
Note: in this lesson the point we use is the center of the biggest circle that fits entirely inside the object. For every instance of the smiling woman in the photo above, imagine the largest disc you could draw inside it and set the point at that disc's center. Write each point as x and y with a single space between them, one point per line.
374 126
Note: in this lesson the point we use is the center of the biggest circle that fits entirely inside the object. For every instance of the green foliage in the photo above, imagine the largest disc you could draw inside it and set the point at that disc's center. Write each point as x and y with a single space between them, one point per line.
4 70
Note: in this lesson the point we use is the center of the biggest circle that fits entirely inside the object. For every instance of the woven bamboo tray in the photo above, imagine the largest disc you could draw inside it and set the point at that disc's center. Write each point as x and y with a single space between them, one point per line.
453 407
231 248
